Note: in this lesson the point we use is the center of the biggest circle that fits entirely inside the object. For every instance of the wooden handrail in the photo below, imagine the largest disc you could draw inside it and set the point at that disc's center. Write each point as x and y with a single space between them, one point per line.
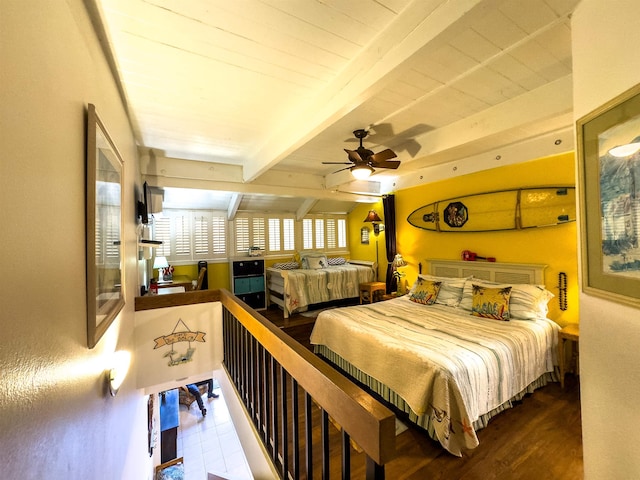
191 297
369 423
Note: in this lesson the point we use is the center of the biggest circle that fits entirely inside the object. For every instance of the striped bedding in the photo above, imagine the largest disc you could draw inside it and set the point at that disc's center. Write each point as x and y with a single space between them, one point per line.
449 367
308 287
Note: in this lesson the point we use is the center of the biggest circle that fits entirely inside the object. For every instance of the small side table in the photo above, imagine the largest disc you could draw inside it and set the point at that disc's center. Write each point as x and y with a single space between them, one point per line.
369 288
569 333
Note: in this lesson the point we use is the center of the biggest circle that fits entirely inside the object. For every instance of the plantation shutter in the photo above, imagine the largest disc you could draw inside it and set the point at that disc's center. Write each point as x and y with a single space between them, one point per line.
288 232
274 235
162 232
342 233
242 235
183 240
201 234
258 236
307 234
319 233
332 241
219 235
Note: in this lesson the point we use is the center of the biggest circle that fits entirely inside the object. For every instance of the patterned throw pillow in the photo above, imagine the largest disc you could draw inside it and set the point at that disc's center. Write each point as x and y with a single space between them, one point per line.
425 291
491 302
336 261
286 265
527 302
450 290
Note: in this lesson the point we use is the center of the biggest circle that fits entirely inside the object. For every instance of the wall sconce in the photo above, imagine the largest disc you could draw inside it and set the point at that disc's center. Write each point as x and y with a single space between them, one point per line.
374 218
118 371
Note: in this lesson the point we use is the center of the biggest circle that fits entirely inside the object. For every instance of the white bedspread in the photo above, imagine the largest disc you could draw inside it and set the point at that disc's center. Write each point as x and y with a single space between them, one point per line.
307 287
441 360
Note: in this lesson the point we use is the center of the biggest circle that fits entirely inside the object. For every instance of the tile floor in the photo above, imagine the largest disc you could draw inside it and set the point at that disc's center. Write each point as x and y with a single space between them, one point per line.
210 444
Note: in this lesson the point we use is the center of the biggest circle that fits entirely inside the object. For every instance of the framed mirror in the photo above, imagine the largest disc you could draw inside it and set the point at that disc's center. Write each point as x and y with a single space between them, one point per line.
105 289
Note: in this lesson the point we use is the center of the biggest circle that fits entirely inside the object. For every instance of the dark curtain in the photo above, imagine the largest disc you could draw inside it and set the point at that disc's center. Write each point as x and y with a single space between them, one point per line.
389 208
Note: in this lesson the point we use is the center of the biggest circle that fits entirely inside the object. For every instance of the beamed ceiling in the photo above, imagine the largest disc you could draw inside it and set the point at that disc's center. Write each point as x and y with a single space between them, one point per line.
240 102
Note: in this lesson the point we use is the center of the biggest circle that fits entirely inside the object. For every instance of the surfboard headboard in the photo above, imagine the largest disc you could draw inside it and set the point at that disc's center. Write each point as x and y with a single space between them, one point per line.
492 271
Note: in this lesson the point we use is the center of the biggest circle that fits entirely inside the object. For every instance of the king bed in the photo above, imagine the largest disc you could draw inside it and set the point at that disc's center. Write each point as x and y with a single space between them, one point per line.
466 342
320 280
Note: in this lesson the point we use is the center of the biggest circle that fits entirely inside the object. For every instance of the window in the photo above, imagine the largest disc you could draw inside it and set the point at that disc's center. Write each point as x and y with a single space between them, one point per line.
307 234
274 235
249 232
281 234
188 236
324 233
288 234
209 235
162 232
191 235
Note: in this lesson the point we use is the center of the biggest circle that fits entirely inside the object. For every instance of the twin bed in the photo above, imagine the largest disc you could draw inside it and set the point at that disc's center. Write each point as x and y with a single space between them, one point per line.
320 280
466 342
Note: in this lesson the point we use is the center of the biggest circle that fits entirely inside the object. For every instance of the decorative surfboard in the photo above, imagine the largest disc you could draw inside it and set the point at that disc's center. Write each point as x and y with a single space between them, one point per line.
501 210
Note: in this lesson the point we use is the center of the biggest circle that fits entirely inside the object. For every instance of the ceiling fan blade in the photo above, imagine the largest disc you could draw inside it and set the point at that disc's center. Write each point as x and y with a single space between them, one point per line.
388 164
342 169
336 163
354 156
382 156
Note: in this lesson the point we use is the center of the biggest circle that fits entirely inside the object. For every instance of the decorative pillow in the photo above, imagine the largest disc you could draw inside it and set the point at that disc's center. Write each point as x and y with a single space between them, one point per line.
336 261
425 292
491 302
450 290
527 302
286 265
314 262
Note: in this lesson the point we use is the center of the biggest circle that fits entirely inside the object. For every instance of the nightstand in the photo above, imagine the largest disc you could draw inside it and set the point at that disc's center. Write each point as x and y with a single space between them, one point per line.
368 290
570 333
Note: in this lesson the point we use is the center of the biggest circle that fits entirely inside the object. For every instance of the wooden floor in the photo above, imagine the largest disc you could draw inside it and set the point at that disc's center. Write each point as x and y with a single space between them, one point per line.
540 438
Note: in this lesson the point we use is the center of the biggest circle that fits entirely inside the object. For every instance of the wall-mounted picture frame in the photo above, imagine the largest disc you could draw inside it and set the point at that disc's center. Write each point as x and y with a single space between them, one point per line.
105 285
609 169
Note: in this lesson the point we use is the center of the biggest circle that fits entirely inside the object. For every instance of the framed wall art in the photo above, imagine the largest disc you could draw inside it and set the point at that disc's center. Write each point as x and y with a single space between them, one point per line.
609 167
105 288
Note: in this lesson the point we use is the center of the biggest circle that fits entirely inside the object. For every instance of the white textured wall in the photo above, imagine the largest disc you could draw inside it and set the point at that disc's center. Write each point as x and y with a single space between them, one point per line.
56 420
606 41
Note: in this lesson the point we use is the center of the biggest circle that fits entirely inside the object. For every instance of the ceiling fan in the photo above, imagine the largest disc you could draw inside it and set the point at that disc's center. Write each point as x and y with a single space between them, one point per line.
362 160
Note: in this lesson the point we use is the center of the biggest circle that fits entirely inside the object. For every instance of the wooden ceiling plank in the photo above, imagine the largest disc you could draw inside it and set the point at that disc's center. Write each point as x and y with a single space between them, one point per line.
417 25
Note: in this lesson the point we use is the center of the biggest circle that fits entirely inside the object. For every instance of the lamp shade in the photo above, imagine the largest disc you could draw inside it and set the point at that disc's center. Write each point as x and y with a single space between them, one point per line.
398 261
372 217
160 262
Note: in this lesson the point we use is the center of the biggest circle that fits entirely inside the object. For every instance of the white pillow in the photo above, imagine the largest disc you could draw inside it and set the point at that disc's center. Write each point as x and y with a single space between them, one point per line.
527 302
450 290
314 262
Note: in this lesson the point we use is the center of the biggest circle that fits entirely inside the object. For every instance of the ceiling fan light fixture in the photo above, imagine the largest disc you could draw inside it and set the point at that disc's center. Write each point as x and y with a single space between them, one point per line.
361 172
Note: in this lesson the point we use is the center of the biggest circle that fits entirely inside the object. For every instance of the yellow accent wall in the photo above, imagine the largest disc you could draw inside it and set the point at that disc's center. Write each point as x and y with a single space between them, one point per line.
359 251
218 274
554 246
